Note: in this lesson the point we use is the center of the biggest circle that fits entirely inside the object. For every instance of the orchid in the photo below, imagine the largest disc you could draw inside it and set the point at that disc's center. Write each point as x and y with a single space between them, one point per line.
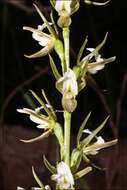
45 121
68 82
42 120
68 86
66 6
64 177
92 149
47 41
65 9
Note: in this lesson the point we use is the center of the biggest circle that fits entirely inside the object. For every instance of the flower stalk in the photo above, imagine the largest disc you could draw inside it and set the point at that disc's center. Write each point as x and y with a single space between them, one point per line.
67 130
66 34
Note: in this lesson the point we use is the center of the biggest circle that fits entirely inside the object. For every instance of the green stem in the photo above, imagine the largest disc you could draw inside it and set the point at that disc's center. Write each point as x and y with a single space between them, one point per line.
67 130
66 33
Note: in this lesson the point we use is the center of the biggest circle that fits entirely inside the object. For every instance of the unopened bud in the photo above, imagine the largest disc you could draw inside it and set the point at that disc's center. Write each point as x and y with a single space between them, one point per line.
64 21
69 102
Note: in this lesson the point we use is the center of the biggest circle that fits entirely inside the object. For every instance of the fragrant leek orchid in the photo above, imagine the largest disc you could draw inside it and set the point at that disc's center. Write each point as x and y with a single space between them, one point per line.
40 119
68 86
44 121
99 63
65 9
64 177
47 41
68 82
92 149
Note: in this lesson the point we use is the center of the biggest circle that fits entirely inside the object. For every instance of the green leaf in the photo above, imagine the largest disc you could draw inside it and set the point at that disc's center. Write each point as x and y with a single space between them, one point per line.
50 167
37 179
88 139
81 128
54 68
81 50
83 172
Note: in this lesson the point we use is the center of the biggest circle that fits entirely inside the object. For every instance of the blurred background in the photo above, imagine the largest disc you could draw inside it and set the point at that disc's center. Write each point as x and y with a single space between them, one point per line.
104 95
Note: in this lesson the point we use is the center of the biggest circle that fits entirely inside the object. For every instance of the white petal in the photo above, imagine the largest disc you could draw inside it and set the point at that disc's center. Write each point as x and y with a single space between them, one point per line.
64 170
20 188
42 40
90 49
92 152
96 69
21 111
47 187
43 26
25 110
44 126
100 140
37 120
63 5
59 5
87 131
67 5
70 82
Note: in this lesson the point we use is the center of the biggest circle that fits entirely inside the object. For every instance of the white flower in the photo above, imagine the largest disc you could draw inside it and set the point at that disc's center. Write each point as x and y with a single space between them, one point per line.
99 144
66 7
64 177
69 82
63 6
45 40
40 119
95 67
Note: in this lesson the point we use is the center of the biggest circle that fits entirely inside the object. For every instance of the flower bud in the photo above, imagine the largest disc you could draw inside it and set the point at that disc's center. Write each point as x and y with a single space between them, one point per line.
64 21
69 102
